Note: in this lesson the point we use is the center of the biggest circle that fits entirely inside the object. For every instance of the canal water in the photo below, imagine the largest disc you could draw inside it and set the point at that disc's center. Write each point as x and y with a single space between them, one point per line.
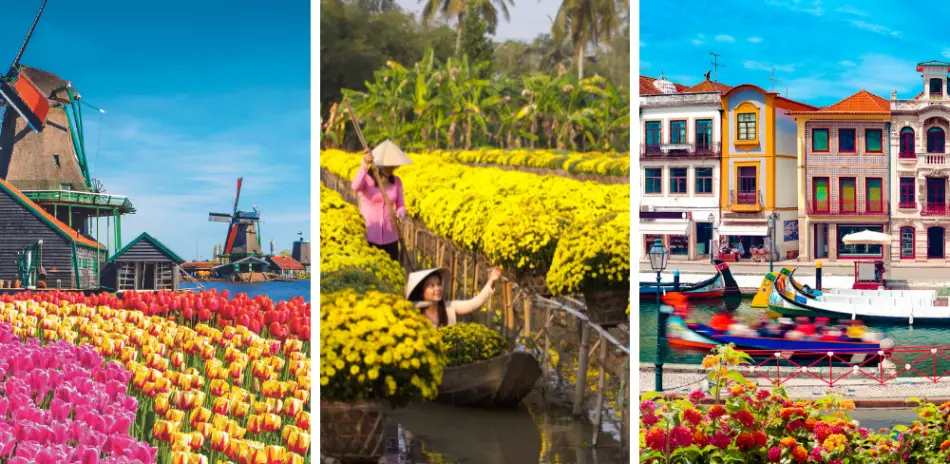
902 335
277 291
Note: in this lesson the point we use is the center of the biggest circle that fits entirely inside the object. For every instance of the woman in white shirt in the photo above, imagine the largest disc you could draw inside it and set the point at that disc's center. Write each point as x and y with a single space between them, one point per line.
424 290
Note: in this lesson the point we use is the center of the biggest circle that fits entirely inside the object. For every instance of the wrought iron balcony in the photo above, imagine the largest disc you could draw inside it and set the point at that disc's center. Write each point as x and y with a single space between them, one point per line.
934 209
680 150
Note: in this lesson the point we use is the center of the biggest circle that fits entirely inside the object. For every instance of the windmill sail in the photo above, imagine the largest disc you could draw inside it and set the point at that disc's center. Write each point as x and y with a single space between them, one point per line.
27 100
243 236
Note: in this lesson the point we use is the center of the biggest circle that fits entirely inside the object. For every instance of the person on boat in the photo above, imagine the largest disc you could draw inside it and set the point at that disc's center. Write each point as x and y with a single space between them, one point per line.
721 321
424 290
380 228
856 330
806 327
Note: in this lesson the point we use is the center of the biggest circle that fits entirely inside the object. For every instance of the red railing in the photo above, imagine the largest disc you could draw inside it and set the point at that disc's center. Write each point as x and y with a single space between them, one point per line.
907 204
934 209
746 198
831 367
873 208
907 155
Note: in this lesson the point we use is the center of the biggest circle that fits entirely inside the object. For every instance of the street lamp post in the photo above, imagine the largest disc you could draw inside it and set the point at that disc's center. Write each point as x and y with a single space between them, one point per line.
658 258
771 241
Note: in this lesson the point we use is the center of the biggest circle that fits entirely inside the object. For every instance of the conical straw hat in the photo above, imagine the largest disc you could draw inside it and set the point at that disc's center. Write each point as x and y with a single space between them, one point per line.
389 154
416 278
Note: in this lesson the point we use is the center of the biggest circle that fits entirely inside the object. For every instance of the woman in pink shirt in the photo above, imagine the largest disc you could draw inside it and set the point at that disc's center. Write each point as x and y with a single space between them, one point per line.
424 290
379 225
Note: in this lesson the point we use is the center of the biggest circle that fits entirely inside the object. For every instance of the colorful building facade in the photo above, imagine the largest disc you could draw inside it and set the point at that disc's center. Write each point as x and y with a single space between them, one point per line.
759 186
921 168
680 164
843 159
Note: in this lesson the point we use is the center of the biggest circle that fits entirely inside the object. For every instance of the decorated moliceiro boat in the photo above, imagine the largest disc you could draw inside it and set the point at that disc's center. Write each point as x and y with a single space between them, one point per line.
717 286
761 299
787 300
691 334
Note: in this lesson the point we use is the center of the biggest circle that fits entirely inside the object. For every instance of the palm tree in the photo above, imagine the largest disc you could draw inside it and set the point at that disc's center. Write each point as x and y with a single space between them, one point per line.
585 22
456 9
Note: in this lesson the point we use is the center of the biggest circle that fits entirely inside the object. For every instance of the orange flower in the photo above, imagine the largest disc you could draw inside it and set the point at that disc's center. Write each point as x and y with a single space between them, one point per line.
236 370
162 430
205 429
219 441
199 415
240 410
272 389
302 395
788 442
303 420
292 407
736 390
208 352
175 415
800 453
710 361
297 440
161 404
221 406
219 387
183 457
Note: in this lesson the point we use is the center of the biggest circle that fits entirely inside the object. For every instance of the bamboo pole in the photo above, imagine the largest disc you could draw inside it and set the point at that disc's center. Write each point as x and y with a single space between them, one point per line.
599 414
410 258
582 361
527 316
547 342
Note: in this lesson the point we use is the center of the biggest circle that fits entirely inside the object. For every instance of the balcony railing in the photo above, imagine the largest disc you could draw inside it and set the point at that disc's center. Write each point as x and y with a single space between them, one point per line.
934 209
907 205
907 155
680 150
933 159
874 208
746 201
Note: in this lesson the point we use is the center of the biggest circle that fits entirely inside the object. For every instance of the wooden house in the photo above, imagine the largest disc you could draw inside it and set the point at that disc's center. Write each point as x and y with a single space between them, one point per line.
143 264
285 265
301 253
68 259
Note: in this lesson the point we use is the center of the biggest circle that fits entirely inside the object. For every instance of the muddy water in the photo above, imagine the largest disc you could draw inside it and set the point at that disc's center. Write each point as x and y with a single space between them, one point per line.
538 431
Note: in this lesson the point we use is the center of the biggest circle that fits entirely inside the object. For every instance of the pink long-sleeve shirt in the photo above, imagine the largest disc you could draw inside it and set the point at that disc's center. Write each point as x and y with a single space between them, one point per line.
379 225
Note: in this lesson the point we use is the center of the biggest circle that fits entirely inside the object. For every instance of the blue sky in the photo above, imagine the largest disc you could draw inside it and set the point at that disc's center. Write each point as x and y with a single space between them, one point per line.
823 51
196 94
528 18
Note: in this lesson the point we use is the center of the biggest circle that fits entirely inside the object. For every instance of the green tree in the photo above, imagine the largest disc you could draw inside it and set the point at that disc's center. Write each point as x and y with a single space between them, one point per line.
476 44
586 22
456 9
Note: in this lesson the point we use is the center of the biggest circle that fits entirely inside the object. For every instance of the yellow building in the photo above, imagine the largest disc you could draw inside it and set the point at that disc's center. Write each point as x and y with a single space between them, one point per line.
759 184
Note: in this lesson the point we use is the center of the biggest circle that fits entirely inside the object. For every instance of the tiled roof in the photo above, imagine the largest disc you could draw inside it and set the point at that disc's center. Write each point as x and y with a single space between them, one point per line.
38 210
862 102
647 87
709 86
286 263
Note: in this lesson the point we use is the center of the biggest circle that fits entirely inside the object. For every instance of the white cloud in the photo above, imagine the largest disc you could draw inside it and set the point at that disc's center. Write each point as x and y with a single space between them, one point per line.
946 53
847 63
725 38
848 9
699 40
876 73
755 40
875 28
760 66
812 7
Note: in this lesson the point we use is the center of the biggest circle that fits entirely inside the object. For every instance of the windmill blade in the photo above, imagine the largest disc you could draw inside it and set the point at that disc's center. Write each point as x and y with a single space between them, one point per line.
238 196
246 221
26 100
219 217
16 61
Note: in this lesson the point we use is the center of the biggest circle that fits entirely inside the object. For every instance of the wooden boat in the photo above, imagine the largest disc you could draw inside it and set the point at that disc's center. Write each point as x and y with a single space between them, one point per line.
717 286
690 334
786 301
500 382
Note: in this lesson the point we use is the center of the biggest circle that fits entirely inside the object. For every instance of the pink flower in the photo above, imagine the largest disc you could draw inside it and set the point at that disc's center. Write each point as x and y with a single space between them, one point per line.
836 461
681 437
815 454
775 454
720 440
697 396
863 432
795 425
762 395
649 420
647 406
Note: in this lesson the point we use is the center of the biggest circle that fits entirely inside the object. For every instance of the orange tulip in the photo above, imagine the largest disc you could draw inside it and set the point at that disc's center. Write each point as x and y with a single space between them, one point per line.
163 430
199 415
221 406
161 403
184 457
303 420
175 415
219 441
297 440
236 370
292 407
240 410
219 387
272 389
302 395
178 359
205 429
208 352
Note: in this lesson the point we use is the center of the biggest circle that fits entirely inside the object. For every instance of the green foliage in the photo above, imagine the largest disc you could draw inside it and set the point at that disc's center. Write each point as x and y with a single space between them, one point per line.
476 44
469 343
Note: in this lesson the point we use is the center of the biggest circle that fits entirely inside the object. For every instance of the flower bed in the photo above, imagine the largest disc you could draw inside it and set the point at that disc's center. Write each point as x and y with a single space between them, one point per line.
516 219
752 425
346 258
283 320
202 393
377 346
63 403
468 343
605 164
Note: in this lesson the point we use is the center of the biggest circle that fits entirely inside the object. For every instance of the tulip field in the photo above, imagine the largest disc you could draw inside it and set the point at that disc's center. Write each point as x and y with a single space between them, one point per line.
518 220
154 377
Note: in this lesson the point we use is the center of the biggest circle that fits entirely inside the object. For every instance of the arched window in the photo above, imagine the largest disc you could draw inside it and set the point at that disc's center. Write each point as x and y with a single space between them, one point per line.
908 237
935 140
907 143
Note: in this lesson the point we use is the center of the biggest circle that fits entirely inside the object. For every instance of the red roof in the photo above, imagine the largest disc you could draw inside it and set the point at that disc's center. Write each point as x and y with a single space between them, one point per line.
862 102
709 86
38 210
200 265
647 87
287 263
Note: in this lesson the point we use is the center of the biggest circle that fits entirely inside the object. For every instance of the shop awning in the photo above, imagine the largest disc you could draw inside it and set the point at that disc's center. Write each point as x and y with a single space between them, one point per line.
744 230
672 227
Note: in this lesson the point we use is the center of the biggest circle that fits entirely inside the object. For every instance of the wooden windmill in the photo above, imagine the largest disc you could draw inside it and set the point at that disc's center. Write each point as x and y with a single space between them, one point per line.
243 235
19 93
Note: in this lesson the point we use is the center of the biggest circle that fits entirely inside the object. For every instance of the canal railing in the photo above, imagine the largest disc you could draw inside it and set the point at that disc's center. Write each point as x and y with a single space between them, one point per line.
520 300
